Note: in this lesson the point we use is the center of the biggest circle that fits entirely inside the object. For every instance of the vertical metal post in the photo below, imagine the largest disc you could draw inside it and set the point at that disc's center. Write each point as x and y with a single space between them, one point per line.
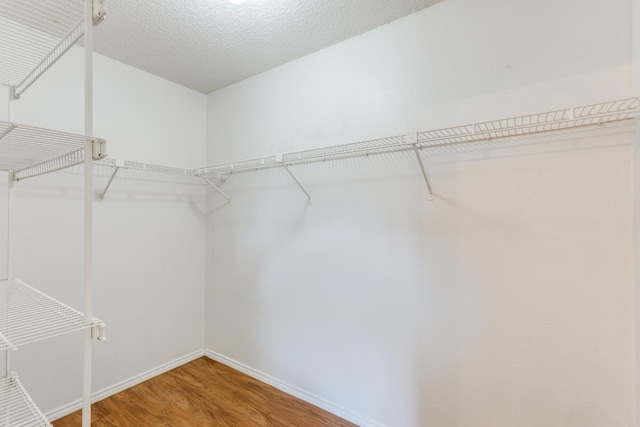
10 203
7 353
10 225
8 363
7 394
88 207
11 113
635 72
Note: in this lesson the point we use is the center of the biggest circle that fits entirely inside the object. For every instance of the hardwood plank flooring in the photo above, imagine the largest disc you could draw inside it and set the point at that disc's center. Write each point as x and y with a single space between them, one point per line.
204 393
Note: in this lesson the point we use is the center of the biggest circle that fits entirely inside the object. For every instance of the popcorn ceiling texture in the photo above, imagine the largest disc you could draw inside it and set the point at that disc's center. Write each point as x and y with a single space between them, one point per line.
209 44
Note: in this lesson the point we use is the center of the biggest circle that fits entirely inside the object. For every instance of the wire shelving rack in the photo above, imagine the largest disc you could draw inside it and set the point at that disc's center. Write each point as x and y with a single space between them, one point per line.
33 36
17 409
29 315
31 151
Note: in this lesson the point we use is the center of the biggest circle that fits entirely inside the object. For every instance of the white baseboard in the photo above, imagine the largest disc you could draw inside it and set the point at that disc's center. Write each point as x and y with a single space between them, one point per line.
292 390
123 385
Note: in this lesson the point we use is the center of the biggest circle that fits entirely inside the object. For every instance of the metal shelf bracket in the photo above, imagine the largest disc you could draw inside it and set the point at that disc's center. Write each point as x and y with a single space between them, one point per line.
412 138
99 11
98 149
119 164
216 188
279 159
98 332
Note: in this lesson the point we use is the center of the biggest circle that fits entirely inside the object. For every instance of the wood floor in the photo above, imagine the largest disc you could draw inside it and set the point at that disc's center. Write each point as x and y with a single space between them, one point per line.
204 393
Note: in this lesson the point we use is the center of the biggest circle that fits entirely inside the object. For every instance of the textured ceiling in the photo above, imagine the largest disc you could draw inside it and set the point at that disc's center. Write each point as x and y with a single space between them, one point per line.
209 44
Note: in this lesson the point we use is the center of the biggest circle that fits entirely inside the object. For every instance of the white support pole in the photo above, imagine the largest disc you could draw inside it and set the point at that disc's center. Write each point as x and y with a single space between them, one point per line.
7 393
11 106
88 207
215 187
10 202
635 71
297 182
424 172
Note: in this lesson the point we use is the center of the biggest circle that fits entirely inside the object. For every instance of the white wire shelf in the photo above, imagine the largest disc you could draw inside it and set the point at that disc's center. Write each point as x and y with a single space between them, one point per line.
34 34
17 409
148 170
31 151
364 148
550 121
28 315
146 167
570 118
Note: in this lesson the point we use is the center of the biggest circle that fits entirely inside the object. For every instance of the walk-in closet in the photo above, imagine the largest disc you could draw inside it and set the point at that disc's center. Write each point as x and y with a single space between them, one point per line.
413 213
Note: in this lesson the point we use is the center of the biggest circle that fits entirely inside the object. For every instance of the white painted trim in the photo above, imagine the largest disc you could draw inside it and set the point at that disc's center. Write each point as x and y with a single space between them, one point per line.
292 390
123 385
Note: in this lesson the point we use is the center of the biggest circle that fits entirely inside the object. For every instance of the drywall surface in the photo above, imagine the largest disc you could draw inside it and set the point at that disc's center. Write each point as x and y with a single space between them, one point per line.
508 300
148 234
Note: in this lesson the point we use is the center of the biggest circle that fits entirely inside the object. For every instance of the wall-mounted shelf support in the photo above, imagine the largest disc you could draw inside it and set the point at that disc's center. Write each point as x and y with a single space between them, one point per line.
98 333
412 139
424 172
216 188
297 182
119 164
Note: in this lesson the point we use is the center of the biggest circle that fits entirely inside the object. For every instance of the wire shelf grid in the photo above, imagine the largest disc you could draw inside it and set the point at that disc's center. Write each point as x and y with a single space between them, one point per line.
570 118
57 163
146 167
17 409
34 34
33 151
589 115
363 148
28 315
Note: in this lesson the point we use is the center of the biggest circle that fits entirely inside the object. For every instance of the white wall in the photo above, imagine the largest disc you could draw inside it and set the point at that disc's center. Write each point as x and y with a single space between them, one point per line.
149 235
507 301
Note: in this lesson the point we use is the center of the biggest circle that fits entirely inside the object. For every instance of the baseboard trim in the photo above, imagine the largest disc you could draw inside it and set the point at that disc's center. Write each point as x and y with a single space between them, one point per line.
292 390
123 385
